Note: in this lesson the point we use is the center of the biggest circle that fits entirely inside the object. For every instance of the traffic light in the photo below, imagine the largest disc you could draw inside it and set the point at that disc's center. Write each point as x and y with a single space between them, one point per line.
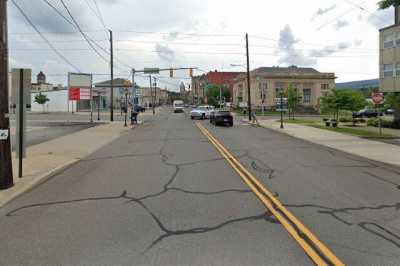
171 73
191 72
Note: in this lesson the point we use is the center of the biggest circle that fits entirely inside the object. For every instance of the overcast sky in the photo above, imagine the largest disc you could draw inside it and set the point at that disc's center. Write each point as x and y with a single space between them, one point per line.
331 36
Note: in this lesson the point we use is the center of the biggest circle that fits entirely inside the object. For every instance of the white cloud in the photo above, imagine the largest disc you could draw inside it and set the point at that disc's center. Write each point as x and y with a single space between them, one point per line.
323 11
341 24
165 53
289 55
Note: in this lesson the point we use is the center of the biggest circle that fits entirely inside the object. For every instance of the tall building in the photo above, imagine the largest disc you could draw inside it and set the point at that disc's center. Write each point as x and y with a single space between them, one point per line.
389 56
267 83
41 84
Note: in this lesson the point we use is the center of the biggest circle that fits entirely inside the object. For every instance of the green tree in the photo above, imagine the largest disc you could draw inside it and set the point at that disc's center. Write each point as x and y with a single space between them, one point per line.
392 100
345 99
213 94
294 100
385 4
41 99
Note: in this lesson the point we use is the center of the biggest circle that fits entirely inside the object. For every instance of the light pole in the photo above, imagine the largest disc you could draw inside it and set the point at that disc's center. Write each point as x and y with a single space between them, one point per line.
281 105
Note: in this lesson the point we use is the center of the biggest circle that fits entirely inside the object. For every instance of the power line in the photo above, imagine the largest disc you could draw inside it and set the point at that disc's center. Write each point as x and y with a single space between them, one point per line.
43 37
86 37
363 9
100 15
338 17
83 34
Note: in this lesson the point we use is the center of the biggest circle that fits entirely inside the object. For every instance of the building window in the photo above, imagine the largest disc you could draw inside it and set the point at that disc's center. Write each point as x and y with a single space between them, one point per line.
279 88
240 94
307 95
388 70
388 41
398 39
263 90
398 69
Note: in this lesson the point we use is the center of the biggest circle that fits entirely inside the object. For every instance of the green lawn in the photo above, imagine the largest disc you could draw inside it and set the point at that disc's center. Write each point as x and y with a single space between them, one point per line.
345 130
258 113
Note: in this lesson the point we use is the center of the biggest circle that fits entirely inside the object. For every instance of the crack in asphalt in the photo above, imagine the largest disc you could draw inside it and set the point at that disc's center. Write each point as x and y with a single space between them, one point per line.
379 231
334 212
382 179
166 187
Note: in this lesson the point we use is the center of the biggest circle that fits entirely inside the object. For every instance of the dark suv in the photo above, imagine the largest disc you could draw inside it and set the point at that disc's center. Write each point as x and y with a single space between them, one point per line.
365 113
221 118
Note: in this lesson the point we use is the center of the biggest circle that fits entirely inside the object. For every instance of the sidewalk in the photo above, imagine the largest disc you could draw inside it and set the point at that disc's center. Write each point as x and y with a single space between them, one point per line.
52 157
374 150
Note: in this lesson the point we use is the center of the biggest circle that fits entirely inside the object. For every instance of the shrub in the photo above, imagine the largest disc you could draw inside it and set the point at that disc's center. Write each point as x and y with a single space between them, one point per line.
374 122
345 119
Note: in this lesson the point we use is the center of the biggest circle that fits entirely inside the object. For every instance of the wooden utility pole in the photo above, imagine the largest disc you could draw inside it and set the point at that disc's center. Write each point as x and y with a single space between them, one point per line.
6 173
248 77
112 77
155 95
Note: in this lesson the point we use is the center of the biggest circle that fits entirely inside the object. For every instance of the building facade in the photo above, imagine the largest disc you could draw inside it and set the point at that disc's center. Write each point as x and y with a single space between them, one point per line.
267 82
41 84
389 56
199 83
147 95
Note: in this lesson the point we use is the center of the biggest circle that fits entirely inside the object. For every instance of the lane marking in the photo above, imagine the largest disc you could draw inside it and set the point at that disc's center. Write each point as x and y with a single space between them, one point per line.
314 248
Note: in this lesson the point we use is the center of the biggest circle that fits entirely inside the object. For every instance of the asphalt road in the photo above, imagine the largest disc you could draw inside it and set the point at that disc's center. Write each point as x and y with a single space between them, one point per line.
42 131
163 195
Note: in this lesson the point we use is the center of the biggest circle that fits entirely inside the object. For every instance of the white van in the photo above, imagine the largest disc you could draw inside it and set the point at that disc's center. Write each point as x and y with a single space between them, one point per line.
178 106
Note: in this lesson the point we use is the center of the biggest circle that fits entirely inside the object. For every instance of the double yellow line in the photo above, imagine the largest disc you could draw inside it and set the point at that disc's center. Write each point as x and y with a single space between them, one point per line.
319 253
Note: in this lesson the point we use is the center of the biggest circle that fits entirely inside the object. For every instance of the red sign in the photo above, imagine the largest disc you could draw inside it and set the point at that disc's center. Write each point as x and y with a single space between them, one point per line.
77 94
377 98
74 94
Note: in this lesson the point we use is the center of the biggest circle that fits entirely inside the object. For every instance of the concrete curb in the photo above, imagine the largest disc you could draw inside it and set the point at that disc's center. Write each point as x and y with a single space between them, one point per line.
19 189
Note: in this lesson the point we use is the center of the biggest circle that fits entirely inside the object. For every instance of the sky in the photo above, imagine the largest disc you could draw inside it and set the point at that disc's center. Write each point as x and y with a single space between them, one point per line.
338 36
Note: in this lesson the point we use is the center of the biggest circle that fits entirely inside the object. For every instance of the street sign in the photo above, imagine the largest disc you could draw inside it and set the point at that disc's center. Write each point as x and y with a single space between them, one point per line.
3 134
79 80
77 94
152 70
378 98
74 94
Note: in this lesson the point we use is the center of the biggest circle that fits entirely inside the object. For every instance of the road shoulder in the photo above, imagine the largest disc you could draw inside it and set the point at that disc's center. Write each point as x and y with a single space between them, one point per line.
50 158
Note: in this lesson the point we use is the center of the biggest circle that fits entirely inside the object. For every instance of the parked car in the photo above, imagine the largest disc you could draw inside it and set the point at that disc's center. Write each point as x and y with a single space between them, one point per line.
390 111
201 112
221 117
365 113
139 109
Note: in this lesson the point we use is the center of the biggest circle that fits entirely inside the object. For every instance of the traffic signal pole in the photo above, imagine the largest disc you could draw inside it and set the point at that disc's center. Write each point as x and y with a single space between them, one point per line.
6 173
112 77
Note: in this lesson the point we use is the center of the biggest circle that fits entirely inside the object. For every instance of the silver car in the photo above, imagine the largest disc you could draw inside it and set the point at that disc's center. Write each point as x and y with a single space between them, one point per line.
201 112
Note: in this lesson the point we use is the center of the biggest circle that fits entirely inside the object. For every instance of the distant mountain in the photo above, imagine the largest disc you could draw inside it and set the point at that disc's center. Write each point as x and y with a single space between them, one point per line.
358 85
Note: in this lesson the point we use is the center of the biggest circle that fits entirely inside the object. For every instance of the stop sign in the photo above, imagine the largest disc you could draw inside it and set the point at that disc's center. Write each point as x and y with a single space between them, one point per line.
377 97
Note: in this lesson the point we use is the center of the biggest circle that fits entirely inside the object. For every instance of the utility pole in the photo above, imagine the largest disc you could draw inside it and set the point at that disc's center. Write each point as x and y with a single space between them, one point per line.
112 77
248 76
155 95
6 173
151 92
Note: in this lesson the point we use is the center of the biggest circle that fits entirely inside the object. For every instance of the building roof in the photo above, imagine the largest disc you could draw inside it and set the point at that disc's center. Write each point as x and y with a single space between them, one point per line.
118 82
292 70
289 72
216 77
